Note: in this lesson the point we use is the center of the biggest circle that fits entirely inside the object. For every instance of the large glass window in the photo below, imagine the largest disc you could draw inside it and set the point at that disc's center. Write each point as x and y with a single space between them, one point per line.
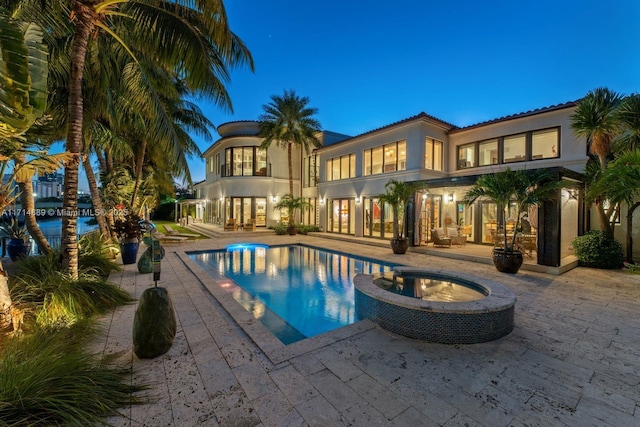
387 158
376 161
390 158
341 167
466 156
310 172
344 167
488 153
245 161
515 148
335 169
309 215
433 154
533 145
544 144
261 162
402 156
367 162
342 219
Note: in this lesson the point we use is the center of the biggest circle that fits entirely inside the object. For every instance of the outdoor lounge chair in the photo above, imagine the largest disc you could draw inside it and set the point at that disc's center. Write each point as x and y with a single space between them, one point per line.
170 231
440 241
456 238
168 239
250 225
173 232
231 225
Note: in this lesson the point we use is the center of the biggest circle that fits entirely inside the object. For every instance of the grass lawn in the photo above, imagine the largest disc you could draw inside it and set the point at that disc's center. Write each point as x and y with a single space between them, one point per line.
161 223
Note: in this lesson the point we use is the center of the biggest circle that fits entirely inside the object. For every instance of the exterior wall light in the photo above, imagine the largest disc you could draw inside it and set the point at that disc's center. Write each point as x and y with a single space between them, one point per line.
450 198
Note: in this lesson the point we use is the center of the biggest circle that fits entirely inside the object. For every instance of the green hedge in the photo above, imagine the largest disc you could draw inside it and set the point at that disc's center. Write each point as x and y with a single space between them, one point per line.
595 250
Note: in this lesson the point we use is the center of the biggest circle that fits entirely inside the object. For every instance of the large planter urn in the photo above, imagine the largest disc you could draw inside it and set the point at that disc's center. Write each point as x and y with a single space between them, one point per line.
399 246
507 261
292 230
17 248
129 250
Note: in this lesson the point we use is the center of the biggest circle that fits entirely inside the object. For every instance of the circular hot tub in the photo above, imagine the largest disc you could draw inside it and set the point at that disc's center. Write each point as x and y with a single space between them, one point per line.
426 306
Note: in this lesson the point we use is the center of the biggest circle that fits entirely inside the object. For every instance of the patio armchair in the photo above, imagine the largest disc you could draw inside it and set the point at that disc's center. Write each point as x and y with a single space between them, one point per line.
456 238
250 225
231 225
438 240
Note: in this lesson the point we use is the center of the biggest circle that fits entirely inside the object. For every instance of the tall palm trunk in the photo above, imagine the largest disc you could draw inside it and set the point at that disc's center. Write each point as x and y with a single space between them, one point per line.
97 200
290 155
292 220
102 161
138 169
28 204
69 243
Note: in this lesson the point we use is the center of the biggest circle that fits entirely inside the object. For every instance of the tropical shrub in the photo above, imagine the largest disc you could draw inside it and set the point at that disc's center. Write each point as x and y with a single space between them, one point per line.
96 255
280 229
51 297
47 378
595 250
304 229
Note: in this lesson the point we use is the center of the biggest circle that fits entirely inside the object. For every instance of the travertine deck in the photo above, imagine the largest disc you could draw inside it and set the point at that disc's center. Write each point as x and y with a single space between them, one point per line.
572 359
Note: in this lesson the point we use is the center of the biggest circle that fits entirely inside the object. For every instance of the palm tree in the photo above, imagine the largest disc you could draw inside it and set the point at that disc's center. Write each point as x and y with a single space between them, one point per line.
289 122
293 205
398 194
621 184
524 188
191 39
596 119
22 101
628 115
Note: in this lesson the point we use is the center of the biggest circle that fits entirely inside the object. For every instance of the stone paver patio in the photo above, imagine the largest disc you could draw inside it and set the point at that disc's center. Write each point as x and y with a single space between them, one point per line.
572 359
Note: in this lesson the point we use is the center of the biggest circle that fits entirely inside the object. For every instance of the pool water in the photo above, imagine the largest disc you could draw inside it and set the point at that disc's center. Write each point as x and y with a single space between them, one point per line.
428 288
296 291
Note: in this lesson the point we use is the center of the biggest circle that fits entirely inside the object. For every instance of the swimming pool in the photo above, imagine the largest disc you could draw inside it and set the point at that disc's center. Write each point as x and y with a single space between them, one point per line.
296 291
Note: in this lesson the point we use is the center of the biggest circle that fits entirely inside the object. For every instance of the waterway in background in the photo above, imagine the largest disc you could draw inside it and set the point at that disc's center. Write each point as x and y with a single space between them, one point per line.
52 228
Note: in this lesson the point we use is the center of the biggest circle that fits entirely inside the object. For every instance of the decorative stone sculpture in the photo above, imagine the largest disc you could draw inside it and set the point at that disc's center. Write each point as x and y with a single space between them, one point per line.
154 324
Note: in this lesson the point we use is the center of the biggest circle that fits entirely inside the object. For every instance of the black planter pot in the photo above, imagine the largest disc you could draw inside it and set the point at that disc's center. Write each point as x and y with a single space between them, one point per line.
399 246
292 230
17 248
129 251
507 262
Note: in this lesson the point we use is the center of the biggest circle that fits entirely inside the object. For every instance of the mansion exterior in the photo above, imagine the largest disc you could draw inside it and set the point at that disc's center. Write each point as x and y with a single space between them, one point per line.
342 179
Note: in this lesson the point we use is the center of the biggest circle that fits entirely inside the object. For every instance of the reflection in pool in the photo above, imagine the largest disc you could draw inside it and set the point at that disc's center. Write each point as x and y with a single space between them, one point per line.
295 291
428 288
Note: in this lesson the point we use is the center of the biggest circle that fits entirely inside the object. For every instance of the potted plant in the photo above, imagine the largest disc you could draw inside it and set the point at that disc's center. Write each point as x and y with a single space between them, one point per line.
18 246
398 195
293 205
127 228
524 189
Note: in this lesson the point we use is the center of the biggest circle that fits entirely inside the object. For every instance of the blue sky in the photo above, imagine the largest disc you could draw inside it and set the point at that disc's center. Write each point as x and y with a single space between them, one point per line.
365 64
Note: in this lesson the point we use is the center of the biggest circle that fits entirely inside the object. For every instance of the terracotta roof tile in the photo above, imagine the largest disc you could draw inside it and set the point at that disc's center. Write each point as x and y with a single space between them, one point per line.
517 116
